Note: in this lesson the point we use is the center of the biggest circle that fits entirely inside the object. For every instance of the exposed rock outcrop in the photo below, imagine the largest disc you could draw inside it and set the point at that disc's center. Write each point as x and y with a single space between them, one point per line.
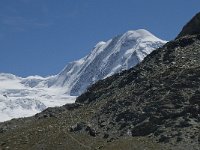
192 27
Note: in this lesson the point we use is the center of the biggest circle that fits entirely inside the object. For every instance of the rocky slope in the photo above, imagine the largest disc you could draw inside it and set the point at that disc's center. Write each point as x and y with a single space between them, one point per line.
155 105
192 27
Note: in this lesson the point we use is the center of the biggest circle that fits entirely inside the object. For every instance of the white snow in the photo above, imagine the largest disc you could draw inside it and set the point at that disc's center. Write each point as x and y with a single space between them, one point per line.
22 97
19 99
107 58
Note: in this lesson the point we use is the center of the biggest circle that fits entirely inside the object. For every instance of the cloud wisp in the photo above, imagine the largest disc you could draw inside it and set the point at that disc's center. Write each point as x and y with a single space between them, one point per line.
20 23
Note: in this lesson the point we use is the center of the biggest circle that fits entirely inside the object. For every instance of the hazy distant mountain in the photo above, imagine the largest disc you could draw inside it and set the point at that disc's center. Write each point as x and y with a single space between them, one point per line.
22 97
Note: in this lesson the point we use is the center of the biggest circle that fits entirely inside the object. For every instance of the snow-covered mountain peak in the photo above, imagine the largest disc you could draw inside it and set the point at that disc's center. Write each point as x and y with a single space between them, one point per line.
140 34
117 54
21 97
6 76
99 44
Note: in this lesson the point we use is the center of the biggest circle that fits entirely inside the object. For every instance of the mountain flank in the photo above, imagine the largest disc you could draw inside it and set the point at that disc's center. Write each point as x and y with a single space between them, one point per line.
192 27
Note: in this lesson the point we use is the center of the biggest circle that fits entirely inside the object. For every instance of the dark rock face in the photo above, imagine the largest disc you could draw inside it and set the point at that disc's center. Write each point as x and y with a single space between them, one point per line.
82 126
192 27
78 127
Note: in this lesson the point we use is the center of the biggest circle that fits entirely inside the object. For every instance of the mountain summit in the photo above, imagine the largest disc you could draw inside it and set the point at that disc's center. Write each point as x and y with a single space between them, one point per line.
107 58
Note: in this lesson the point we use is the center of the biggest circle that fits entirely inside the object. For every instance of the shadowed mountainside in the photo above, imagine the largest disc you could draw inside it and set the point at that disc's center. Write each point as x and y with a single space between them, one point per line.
192 27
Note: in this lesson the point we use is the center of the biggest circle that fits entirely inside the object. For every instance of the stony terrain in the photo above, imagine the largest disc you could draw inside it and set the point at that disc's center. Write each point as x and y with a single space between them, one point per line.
155 105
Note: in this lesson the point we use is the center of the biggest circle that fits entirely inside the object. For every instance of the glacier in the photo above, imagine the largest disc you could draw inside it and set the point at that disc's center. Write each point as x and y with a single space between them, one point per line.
23 97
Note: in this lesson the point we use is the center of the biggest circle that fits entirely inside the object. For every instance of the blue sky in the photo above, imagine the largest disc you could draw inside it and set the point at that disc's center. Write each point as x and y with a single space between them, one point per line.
42 36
